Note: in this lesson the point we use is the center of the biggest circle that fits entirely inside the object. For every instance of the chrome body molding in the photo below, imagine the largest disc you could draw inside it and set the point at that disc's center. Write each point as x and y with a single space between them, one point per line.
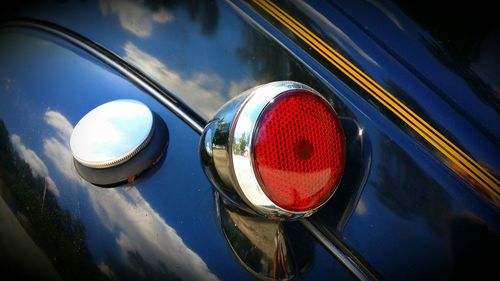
114 61
334 247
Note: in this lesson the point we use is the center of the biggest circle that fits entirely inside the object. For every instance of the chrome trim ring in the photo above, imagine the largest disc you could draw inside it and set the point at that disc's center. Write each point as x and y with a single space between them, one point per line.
241 148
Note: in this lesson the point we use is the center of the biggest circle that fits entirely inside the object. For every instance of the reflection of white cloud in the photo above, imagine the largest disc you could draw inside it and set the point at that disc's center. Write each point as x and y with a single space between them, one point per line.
106 270
162 16
51 185
58 121
236 88
202 91
134 16
61 156
38 168
140 229
361 208
57 148
387 13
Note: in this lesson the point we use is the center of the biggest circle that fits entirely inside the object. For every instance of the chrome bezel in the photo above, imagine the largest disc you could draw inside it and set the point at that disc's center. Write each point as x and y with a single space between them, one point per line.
240 161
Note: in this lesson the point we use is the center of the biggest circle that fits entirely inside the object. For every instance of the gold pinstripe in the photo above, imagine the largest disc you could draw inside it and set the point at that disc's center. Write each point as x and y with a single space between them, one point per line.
459 160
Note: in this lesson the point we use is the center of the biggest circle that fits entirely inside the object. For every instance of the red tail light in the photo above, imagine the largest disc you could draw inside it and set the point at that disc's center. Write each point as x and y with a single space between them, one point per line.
298 151
279 148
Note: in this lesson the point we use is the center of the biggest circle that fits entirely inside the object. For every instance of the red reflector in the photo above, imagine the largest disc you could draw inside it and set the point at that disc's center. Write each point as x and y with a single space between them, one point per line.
298 151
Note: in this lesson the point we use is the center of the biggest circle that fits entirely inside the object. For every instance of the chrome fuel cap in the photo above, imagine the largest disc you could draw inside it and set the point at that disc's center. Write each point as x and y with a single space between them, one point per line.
117 141
112 133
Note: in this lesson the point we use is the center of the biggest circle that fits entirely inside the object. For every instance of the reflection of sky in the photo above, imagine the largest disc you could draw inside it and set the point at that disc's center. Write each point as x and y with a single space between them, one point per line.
185 66
116 220
133 17
140 220
137 226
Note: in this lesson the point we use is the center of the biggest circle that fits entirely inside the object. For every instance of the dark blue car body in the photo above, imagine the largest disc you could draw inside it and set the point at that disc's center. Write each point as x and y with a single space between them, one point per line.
406 208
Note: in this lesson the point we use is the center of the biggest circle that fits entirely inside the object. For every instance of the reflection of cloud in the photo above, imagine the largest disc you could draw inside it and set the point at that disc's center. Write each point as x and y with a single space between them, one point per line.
361 208
162 16
236 88
61 156
141 229
57 148
202 91
138 227
58 121
135 17
106 270
387 13
38 168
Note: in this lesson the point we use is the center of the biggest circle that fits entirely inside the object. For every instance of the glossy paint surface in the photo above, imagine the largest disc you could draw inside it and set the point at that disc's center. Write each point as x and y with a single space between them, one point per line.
464 165
406 215
412 227
162 226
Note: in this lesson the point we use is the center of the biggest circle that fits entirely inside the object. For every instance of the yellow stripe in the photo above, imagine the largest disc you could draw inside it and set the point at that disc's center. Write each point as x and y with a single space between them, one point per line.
373 83
358 71
461 162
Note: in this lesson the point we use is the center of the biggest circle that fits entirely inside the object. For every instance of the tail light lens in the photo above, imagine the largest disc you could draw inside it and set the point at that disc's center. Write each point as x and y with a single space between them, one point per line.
298 151
280 147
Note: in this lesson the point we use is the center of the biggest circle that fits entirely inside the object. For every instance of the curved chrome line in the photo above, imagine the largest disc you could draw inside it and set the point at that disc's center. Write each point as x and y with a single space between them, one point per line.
351 265
115 62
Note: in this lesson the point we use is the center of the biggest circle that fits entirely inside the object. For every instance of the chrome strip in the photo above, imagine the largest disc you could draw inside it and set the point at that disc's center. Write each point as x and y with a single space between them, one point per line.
341 256
117 63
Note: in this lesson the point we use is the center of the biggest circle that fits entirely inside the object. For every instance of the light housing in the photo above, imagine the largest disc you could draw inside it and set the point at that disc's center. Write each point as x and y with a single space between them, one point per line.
278 148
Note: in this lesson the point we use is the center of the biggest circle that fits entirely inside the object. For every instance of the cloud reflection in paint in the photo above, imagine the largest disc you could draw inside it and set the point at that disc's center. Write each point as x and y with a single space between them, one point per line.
202 91
134 17
138 228
38 167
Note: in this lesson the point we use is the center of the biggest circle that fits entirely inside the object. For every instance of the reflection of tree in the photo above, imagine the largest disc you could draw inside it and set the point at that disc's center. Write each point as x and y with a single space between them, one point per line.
240 145
403 187
221 138
61 237
270 61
